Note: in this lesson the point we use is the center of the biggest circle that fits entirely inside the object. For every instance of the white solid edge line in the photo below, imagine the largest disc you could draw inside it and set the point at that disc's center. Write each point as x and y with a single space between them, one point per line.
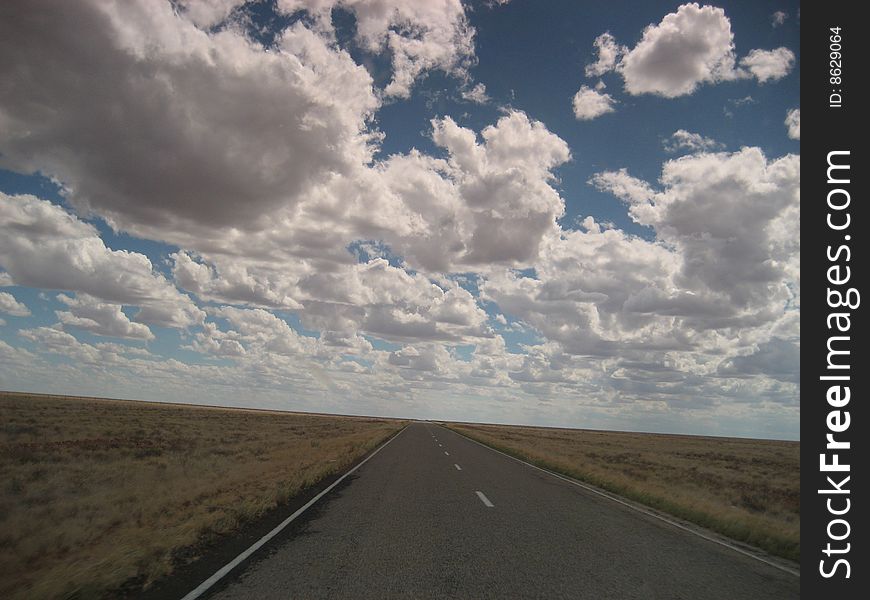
222 572
458 468
637 508
485 500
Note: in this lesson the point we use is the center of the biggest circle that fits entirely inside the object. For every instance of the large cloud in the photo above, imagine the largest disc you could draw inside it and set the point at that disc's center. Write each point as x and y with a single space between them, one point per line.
688 48
275 145
691 46
505 183
581 285
43 246
674 306
748 253
242 131
491 201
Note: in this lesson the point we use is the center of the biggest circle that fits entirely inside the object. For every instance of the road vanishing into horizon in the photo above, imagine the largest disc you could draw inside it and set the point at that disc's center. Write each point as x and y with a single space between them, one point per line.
436 515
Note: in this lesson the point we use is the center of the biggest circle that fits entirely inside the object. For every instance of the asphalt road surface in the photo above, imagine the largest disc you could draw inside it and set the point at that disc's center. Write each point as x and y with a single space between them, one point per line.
434 515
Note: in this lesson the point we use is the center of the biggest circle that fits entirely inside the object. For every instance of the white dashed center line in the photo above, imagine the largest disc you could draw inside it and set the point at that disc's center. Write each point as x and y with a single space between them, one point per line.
458 468
485 500
447 453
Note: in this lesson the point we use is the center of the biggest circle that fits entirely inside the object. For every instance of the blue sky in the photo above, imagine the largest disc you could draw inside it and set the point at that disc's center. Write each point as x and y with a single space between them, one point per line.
540 213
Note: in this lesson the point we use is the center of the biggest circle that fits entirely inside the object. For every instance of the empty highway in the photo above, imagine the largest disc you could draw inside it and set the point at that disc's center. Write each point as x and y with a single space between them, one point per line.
435 515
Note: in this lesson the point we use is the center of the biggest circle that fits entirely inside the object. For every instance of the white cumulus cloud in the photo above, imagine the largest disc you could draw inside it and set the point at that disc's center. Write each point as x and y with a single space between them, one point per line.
101 318
623 186
692 46
609 55
688 48
748 253
589 103
243 131
769 65
693 142
476 94
11 306
43 246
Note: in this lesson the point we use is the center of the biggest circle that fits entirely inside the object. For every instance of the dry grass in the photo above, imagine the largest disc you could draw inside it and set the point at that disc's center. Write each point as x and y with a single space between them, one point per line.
748 490
95 492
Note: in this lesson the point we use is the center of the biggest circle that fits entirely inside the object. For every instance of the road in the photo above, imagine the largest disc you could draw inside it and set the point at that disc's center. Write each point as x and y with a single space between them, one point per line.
435 515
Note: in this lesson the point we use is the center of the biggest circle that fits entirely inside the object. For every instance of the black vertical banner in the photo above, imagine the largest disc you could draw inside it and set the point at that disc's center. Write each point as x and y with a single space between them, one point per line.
834 261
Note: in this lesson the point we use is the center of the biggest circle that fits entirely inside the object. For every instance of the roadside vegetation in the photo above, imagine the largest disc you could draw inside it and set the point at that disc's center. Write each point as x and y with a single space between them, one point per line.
748 490
99 493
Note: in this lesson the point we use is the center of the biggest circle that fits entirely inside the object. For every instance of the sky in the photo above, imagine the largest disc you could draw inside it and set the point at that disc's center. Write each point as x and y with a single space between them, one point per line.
546 213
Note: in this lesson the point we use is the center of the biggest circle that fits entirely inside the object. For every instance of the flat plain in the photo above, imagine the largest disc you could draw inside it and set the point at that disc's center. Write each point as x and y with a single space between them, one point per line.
745 489
101 493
